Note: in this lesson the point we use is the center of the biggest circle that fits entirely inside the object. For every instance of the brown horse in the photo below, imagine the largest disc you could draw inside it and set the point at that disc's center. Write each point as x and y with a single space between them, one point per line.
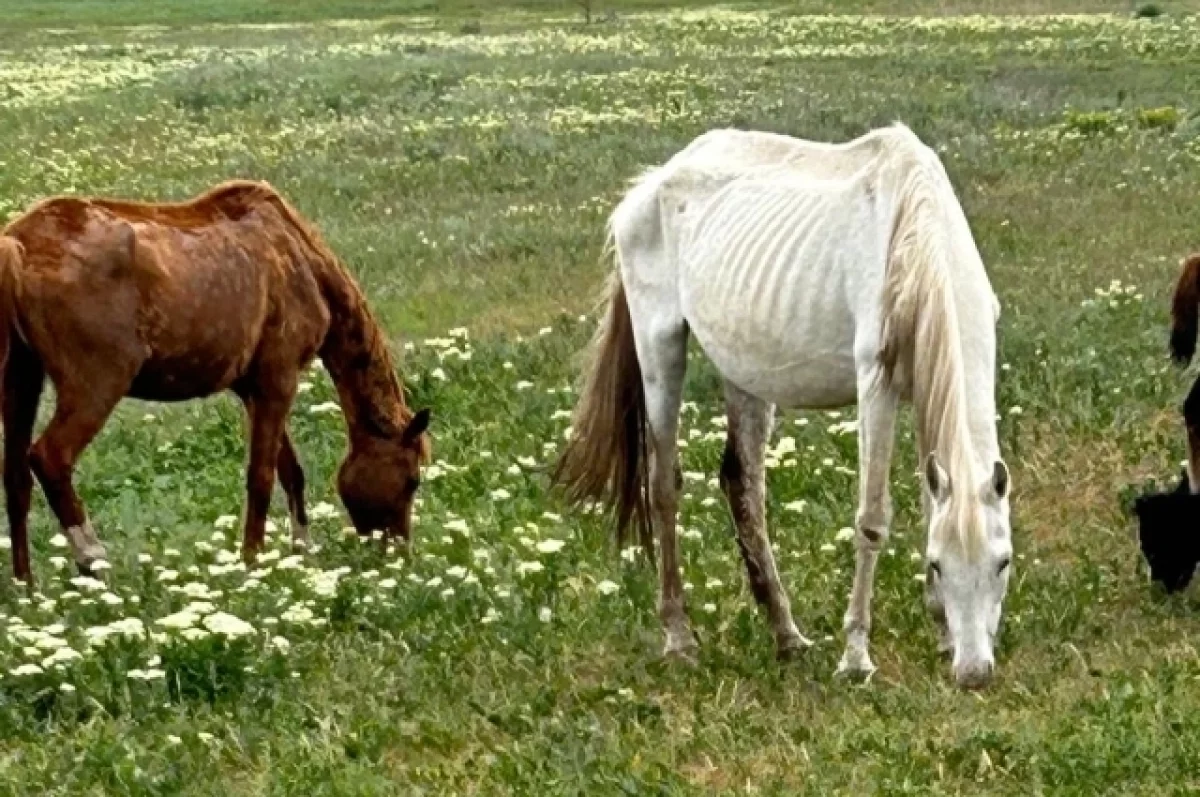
232 290
1184 323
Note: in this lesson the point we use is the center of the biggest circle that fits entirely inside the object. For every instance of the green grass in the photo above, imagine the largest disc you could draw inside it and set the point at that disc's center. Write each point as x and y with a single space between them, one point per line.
465 178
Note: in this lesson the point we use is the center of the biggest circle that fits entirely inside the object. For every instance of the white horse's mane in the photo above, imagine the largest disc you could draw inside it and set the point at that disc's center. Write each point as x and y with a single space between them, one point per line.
921 330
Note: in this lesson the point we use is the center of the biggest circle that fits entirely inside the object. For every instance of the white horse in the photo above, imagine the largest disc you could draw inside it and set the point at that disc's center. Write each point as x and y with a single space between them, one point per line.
813 275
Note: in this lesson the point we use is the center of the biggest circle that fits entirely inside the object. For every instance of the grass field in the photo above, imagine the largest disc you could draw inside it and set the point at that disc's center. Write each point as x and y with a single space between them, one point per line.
462 160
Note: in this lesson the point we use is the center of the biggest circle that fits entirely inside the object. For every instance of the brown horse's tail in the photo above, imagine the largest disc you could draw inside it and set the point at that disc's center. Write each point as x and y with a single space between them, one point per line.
11 255
605 458
1183 311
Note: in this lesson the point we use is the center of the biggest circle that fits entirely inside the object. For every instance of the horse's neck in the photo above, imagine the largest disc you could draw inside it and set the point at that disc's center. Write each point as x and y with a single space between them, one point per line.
356 356
968 386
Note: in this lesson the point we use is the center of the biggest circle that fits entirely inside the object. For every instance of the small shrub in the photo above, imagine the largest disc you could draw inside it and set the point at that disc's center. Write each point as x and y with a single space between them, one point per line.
1148 11
1165 118
1090 123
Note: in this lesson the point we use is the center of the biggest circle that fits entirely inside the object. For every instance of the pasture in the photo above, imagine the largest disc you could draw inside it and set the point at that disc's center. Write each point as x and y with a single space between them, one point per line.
462 163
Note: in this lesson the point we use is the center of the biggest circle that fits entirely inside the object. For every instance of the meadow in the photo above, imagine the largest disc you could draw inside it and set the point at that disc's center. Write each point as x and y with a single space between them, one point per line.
462 159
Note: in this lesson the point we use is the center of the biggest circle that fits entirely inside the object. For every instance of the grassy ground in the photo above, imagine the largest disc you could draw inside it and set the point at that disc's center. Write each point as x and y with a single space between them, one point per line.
465 177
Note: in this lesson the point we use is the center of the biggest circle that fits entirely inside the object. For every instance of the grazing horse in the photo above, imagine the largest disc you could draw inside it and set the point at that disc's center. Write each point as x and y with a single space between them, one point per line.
232 290
1169 523
813 275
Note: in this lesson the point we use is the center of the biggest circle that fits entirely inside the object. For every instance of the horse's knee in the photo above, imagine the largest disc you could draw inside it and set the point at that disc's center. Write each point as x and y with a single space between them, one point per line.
259 482
874 526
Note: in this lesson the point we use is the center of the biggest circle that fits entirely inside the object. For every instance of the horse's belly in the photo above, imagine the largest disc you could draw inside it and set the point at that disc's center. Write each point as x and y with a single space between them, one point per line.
190 376
776 306
812 379
802 357
191 357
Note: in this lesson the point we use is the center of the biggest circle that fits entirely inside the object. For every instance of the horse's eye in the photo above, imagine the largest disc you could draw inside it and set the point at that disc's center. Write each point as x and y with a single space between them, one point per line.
936 569
1003 565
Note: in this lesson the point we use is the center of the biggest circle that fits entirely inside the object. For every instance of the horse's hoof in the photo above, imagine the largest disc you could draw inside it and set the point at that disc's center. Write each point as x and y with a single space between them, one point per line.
856 664
792 649
686 657
682 649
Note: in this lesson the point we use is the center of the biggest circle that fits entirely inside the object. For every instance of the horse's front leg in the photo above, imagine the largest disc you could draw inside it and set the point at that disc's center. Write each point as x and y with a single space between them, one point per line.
81 408
268 416
291 478
876 434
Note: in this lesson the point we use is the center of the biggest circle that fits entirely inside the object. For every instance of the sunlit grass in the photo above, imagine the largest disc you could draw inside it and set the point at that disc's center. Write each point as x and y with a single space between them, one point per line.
465 177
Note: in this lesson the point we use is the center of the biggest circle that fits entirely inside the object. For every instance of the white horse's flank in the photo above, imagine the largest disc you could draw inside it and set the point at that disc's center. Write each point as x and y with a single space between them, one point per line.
814 275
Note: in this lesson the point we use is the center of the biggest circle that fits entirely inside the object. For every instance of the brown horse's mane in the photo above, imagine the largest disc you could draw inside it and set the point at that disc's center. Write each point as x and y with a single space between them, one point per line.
358 343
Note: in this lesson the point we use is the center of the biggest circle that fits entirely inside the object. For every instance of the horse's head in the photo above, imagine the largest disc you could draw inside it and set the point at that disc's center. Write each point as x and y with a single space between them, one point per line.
378 479
1166 533
969 561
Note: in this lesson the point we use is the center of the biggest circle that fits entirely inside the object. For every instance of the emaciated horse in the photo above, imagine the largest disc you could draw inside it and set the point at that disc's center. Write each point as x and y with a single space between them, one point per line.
232 290
814 276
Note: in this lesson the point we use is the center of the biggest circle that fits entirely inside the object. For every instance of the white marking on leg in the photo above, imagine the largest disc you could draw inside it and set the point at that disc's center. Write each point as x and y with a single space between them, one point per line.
85 545
299 532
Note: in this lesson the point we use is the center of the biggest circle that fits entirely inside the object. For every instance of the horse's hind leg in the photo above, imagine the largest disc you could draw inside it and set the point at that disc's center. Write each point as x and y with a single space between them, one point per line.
662 356
79 415
743 479
22 389
876 433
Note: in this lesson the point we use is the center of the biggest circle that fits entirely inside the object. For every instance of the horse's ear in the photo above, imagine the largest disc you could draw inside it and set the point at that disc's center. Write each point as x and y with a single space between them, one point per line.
936 478
417 426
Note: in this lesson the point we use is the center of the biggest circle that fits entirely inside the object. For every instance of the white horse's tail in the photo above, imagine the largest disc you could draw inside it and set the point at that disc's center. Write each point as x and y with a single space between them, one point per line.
605 458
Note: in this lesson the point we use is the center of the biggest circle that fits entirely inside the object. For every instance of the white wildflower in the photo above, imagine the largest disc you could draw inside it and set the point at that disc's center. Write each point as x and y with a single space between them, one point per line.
525 568
323 511
550 546
227 625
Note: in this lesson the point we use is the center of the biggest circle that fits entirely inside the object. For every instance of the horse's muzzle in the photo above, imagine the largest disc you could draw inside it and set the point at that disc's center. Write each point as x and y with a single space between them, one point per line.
974 674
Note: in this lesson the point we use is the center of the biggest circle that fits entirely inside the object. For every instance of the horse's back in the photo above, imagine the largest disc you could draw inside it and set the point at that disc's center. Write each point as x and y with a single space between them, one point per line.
779 278
188 288
777 247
